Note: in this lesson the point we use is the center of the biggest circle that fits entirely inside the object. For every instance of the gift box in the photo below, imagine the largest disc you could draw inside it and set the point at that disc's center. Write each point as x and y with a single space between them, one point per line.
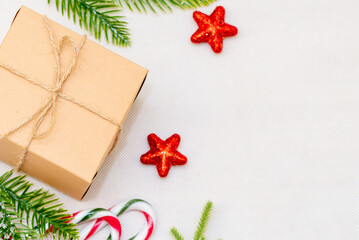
64 129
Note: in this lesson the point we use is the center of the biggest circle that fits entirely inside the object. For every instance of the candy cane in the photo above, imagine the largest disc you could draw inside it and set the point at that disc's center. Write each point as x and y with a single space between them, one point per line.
99 214
119 209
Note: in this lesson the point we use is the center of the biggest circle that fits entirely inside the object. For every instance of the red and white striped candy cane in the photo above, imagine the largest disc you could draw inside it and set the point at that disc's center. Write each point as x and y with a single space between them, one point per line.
100 214
131 205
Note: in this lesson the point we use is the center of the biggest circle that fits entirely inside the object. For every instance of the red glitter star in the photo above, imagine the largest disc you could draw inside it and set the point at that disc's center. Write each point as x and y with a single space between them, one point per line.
163 154
212 29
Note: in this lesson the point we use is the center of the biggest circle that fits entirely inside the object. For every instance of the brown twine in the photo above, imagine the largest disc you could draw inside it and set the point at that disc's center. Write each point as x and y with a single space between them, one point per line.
49 106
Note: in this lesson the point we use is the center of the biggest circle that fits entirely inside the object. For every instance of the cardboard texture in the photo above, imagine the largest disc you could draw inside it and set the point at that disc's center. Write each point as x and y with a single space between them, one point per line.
69 156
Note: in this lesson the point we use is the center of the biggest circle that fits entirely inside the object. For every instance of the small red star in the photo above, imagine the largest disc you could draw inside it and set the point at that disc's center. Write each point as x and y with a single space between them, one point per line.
212 29
163 154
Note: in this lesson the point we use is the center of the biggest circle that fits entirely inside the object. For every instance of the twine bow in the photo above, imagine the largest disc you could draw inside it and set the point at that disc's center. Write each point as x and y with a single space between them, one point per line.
49 106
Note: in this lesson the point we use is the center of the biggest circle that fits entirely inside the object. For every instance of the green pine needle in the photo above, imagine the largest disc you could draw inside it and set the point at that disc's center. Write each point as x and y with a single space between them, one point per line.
176 234
162 5
98 17
32 212
202 225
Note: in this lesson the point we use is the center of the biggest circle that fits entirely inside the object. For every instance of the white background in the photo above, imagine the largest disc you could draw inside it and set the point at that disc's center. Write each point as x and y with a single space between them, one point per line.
270 126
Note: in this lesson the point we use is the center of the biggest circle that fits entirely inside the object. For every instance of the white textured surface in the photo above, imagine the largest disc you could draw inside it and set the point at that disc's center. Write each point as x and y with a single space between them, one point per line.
270 126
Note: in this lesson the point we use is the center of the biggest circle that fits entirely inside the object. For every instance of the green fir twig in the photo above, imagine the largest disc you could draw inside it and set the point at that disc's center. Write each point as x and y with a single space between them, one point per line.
162 5
104 17
98 17
201 227
29 213
11 226
203 222
176 234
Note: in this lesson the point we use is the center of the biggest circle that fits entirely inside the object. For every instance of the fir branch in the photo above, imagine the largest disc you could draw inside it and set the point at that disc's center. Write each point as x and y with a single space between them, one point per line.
202 225
103 16
11 227
176 234
203 221
37 208
163 5
97 17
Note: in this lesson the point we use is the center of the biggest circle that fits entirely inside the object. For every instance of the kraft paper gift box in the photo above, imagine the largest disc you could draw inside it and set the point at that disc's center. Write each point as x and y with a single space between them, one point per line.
69 155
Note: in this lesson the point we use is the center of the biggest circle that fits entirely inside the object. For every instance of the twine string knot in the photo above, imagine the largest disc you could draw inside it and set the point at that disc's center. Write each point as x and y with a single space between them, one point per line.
49 107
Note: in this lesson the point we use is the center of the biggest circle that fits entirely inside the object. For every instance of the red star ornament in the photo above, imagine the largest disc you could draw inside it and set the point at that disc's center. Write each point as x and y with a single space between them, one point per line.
163 154
212 29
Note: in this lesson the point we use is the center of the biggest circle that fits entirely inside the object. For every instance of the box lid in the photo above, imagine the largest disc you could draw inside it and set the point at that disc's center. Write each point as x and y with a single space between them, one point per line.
101 80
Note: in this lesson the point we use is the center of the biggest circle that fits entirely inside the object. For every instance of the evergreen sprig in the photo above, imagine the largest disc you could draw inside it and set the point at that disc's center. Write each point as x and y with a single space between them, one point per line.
201 227
176 234
105 16
32 212
11 227
163 5
203 222
97 17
